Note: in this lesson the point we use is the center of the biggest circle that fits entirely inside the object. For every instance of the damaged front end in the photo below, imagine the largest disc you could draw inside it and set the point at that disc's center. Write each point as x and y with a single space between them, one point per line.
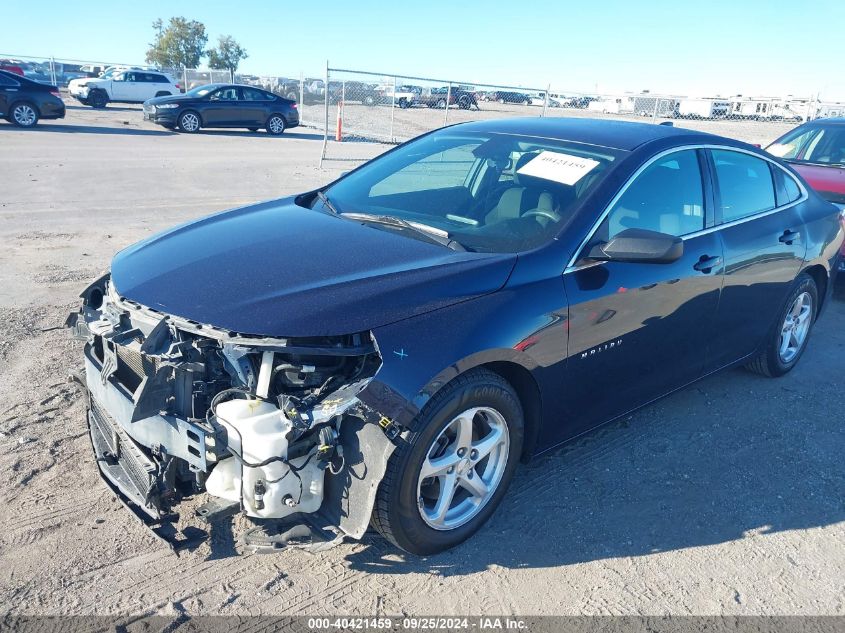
269 427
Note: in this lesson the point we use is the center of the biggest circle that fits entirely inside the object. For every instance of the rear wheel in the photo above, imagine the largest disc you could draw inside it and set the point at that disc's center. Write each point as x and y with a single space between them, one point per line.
449 473
189 122
404 103
275 124
788 340
23 114
441 103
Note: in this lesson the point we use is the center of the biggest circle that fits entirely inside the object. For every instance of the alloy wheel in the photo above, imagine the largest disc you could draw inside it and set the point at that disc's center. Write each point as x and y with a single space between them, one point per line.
189 122
463 468
795 327
276 125
24 115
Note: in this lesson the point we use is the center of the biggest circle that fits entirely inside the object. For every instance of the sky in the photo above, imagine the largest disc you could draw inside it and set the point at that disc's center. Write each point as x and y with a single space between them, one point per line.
749 47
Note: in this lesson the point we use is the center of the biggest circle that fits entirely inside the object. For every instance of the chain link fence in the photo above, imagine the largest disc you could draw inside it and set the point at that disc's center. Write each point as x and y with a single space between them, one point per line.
349 105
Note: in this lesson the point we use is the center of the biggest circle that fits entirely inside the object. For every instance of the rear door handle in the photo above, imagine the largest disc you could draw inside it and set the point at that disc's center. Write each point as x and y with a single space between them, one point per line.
789 236
706 263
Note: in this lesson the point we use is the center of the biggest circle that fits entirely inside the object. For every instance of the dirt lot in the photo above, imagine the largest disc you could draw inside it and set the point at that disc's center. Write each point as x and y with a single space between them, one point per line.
726 498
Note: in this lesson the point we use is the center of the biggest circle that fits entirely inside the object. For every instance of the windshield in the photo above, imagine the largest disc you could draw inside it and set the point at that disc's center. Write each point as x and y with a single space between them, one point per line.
488 192
200 91
822 144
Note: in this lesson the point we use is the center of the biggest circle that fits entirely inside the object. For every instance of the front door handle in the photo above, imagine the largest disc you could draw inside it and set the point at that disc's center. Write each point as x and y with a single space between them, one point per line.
706 263
789 236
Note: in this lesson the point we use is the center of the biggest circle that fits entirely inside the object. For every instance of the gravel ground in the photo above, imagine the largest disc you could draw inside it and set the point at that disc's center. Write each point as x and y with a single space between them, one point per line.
725 498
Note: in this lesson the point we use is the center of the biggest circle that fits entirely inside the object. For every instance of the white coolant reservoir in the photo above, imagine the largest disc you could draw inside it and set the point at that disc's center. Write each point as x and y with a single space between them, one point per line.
256 430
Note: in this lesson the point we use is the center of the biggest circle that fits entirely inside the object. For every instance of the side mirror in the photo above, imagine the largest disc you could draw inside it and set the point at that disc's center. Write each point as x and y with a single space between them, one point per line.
639 246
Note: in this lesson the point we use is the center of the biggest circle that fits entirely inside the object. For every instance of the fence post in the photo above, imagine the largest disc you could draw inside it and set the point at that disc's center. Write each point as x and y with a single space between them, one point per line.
301 92
53 70
393 110
326 122
185 78
546 100
654 114
448 99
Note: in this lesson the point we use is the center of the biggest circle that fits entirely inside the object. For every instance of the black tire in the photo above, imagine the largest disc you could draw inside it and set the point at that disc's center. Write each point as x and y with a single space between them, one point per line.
464 102
441 103
404 103
396 514
187 122
769 361
369 100
24 114
276 124
98 99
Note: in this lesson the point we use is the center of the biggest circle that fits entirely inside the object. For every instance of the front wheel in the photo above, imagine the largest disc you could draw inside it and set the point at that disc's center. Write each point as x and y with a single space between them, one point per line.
24 115
189 122
98 99
449 474
788 340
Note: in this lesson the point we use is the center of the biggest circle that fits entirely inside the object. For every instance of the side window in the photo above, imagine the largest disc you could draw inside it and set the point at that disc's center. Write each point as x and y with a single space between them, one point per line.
225 94
251 94
787 189
745 184
667 197
156 79
130 77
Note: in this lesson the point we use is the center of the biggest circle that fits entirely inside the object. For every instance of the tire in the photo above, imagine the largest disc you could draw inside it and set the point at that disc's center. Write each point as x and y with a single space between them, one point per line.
404 103
403 498
190 122
291 96
779 355
369 100
501 100
464 103
98 99
276 124
23 114
441 104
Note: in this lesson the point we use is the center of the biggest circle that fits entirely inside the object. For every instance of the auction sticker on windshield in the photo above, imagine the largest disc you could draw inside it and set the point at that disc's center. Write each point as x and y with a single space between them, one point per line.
558 167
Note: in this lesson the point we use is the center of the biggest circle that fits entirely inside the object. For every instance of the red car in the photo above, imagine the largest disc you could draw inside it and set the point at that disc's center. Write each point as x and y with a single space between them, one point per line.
816 150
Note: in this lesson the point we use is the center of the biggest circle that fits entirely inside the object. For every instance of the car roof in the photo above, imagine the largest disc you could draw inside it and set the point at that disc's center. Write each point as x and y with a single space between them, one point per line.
623 135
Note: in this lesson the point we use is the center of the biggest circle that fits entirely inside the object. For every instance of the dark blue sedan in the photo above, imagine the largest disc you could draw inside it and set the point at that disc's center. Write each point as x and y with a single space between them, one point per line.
223 106
388 348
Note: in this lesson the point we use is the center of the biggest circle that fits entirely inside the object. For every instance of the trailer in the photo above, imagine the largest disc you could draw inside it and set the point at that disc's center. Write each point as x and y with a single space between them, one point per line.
705 108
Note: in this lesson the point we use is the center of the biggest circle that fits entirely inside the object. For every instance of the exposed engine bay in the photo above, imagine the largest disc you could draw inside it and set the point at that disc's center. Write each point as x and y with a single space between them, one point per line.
268 427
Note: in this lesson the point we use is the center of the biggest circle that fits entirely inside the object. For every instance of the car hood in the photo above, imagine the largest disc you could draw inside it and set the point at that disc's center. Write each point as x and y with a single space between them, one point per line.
278 269
169 99
829 182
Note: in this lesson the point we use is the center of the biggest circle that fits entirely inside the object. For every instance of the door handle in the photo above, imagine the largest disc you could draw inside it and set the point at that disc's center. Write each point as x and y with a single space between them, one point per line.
789 236
706 263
